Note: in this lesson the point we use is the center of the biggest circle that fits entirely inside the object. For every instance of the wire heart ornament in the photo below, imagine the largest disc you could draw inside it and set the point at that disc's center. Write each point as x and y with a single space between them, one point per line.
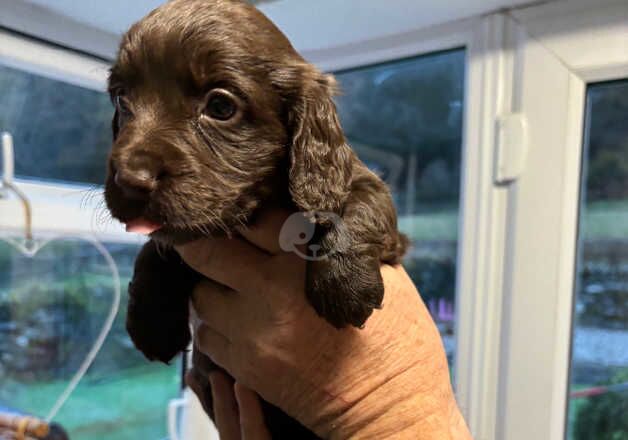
29 248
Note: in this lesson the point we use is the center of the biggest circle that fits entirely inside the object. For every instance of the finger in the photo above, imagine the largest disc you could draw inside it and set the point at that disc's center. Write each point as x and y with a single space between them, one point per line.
252 423
213 344
202 363
192 381
264 232
232 262
199 384
226 415
215 305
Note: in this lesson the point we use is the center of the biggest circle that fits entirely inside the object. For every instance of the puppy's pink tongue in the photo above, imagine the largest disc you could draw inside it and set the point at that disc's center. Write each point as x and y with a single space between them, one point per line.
142 226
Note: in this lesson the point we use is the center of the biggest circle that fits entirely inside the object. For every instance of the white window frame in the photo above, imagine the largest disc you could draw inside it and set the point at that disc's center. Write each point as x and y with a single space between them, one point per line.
557 49
479 256
58 209
511 370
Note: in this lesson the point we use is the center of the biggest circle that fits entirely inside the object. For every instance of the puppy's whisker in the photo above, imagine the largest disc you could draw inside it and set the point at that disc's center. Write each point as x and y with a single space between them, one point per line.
89 195
219 154
101 219
201 132
202 229
205 228
241 220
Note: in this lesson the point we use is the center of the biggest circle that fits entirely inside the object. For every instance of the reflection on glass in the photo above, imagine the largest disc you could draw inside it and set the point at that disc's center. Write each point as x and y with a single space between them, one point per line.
598 404
404 119
61 131
52 307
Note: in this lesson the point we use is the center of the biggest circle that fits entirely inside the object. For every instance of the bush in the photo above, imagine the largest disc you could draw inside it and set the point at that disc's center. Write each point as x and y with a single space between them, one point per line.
53 306
604 417
435 278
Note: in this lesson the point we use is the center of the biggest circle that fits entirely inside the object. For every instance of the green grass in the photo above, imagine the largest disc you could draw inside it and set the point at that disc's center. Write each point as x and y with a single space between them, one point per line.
128 405
441 225
600 220
605 220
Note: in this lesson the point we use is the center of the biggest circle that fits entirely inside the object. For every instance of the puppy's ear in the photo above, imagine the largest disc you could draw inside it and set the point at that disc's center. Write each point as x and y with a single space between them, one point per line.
320 159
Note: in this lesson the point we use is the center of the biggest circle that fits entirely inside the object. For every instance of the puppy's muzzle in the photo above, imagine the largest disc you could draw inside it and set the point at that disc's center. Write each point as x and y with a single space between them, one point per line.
138 176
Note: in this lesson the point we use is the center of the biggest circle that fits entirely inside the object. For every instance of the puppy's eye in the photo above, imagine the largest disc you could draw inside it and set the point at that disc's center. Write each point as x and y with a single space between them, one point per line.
221 105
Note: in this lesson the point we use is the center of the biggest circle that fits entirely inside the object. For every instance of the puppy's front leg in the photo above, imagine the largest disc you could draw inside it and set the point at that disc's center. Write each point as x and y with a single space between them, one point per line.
157 313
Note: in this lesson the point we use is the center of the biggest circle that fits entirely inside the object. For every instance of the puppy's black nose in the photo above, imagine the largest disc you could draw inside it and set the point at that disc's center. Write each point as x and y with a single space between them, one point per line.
136 184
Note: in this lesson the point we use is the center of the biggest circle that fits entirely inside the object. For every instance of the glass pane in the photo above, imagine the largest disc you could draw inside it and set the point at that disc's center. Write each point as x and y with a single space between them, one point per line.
598 404
61 131
404 119
52 307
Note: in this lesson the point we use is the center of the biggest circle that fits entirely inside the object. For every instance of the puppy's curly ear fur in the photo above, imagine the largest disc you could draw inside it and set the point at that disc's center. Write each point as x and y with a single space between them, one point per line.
320 159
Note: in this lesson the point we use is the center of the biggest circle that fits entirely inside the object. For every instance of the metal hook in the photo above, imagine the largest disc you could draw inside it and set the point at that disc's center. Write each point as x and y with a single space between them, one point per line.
7 183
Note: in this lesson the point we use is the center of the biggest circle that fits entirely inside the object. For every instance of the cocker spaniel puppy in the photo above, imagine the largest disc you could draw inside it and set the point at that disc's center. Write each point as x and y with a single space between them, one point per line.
217 116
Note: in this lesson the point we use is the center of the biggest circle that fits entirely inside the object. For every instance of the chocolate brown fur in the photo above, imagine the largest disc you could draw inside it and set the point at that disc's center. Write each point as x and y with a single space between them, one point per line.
196 175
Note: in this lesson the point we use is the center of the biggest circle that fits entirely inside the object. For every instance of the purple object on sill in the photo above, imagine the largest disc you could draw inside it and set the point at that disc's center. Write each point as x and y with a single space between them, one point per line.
441 310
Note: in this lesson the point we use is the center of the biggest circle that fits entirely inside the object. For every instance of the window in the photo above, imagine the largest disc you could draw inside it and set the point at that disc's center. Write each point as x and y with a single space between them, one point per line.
52 306
404 119
599 357
51 310
61 131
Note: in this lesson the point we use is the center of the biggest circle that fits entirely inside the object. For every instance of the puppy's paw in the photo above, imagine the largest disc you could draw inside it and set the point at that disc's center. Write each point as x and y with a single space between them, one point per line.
158 328
345 289
157 313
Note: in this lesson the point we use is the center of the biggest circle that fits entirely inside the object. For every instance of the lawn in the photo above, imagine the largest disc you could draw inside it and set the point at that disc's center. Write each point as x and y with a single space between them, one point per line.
130 404
606 220
600 220
438 225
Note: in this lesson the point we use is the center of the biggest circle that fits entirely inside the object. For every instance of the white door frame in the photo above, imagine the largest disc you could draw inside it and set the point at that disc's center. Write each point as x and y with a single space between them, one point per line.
558 49
481 219
517 240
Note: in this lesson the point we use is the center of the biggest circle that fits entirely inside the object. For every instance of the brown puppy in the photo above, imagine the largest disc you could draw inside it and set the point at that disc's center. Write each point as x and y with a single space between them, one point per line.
216 117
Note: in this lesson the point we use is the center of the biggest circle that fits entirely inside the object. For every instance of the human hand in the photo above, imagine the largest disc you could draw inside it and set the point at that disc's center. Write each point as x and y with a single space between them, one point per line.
237 410
388 379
